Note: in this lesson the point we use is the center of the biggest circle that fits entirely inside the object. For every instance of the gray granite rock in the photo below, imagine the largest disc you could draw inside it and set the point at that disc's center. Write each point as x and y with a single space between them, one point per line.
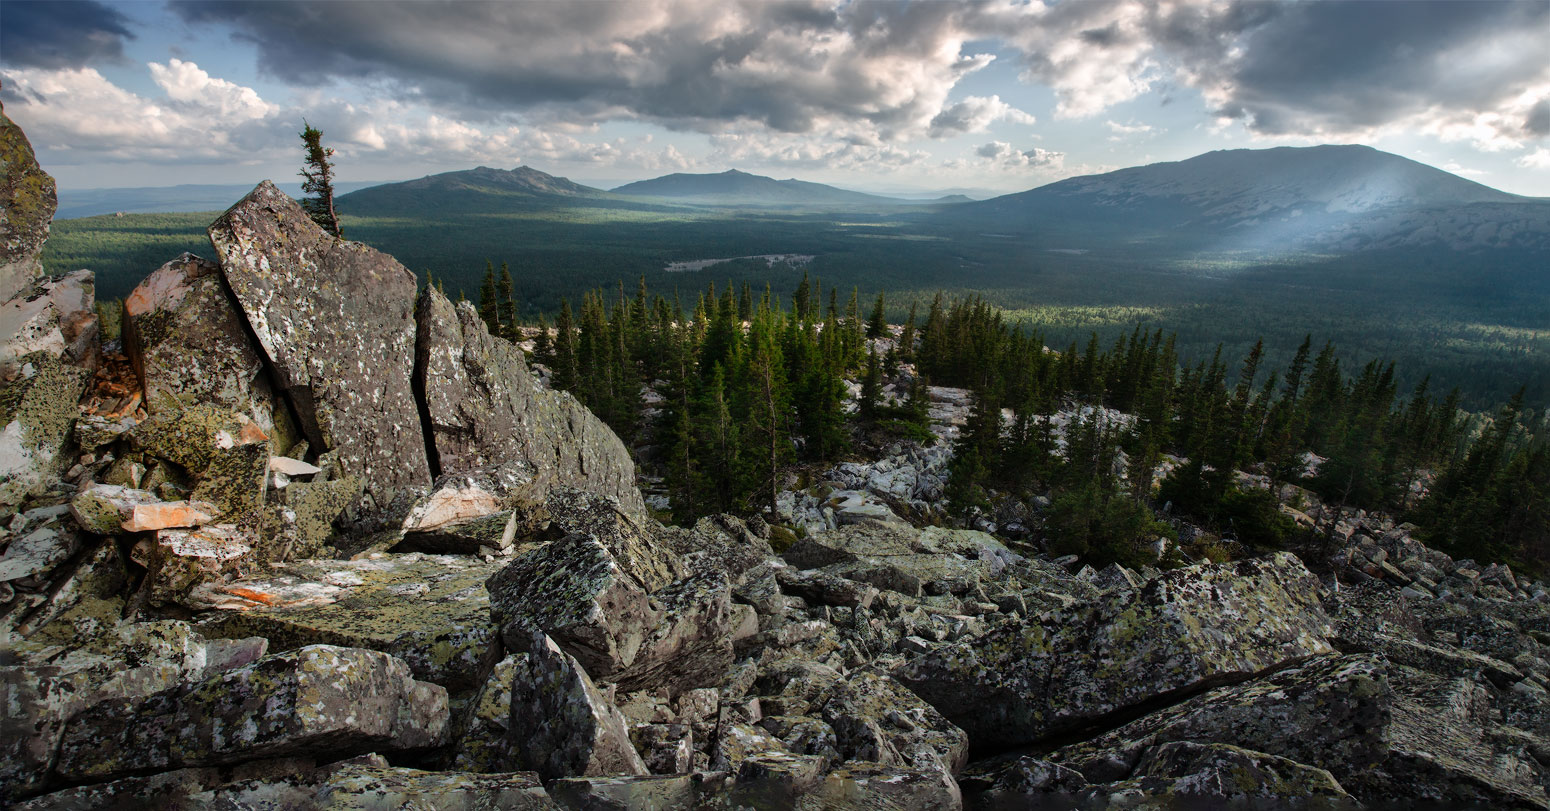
27 200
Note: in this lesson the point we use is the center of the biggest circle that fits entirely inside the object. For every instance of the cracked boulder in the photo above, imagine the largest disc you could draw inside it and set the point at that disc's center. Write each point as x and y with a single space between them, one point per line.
318 700
224 452
189 344
485 408
1189 629
1386 732
335 320
28 200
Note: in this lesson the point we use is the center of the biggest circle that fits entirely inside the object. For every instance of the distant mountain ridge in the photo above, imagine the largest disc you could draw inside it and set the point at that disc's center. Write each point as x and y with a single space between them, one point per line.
481 189
738 187
1330 197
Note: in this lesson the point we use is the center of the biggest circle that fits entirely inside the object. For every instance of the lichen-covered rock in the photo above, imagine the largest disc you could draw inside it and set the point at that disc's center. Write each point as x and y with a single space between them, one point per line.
691 644
365 787
485 744
1387 733
486 409
178 560
431 611
1187 629
1195 775
561 724
190 345
225 452
275 783
37 408
55 314
876 719
37 553
857 786
335 320
85 596
665 748
492 532
36 705
635 542
312 701
634 793
27 203
575 591
315 507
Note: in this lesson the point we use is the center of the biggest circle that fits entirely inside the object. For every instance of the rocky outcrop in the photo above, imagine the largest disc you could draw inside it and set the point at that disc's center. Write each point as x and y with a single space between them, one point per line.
335 321
54 314
37 409
27 203
484 409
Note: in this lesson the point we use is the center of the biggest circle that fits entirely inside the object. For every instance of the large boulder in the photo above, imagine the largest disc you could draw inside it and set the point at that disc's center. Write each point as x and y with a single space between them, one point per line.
27 203
313 701
486 409
1186 630
335 320
189 344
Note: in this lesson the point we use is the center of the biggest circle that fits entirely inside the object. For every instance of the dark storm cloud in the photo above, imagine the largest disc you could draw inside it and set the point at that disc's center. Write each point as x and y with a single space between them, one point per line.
60 33
698 63
1351 65
889 68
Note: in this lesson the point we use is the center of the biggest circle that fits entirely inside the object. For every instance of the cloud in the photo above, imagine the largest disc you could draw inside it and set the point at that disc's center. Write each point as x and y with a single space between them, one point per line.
798 152
1538 159
974 114
706 65
1003 154
61 33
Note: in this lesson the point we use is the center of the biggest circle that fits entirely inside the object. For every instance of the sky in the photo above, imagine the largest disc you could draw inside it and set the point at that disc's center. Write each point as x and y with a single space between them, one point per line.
894 97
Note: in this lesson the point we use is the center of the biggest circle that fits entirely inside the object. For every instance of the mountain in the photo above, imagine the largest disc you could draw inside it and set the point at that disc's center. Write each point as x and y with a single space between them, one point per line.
1330 198
75 203
741 188
480 190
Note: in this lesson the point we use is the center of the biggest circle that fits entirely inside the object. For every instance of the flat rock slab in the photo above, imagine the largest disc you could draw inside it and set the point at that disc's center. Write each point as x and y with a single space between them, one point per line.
335 319
486 409
1188 629
432 611
318 700
561 724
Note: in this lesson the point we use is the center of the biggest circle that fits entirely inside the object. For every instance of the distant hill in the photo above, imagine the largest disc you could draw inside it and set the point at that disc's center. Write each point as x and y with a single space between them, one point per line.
74 203
479 190
741 188
1327 198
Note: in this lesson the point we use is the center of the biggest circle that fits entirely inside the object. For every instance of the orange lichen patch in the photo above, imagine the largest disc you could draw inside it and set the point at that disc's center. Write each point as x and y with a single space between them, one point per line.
249 594
169 515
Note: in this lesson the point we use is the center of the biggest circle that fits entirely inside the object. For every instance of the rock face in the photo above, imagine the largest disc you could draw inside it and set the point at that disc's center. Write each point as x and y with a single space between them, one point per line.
485 409
37 408
54 314
335 320
189 345
27 203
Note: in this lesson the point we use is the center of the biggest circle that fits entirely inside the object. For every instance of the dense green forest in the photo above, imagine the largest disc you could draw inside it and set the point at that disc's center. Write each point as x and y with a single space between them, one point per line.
750 388
1459 321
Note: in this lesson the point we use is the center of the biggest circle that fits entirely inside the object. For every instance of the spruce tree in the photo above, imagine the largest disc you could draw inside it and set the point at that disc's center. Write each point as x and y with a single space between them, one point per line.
877 325
318 180
507 309
564 370
489 306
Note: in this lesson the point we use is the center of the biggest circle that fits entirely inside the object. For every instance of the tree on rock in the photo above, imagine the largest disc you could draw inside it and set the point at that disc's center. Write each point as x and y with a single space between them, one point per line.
318 180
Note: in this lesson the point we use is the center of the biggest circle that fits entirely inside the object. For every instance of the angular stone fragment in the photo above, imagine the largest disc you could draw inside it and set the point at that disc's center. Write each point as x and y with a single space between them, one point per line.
875 719
178 560
364 787
102 508
37 408
312 701
1223 776
465 537
37 552
485 745
169 515
561 724
1187 629
292 467
573 590
430 611
665 748
857 786
485 409
335 321
635 793
36 705
225 452
28 201
189 344
54 314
